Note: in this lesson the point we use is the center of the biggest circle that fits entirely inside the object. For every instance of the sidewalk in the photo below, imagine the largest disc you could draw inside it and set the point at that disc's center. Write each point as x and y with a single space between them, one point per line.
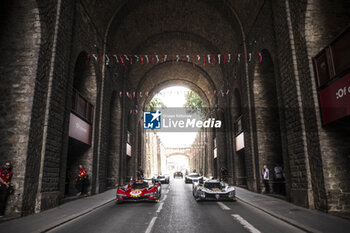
48 219
305 219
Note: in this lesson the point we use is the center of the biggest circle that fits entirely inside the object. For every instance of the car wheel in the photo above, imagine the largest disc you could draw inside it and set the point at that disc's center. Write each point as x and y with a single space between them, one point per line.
158 197
196 197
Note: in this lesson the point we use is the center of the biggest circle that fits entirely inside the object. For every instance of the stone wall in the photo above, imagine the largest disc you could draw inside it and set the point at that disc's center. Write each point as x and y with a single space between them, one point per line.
49 161
40 45
322 21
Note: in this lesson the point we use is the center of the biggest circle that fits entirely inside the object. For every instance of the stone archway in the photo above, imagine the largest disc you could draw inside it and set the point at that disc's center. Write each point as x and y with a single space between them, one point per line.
82 117
267 119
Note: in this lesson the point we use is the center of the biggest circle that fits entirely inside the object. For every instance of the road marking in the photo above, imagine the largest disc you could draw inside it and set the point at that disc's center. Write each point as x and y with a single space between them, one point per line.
165 196
223 206
149 228
245 224
160 207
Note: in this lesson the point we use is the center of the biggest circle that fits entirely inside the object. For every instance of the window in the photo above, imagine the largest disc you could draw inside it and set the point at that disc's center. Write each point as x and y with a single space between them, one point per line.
81 107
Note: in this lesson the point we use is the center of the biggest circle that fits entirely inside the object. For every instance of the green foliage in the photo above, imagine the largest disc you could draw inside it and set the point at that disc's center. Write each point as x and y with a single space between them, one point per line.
195 104
155 104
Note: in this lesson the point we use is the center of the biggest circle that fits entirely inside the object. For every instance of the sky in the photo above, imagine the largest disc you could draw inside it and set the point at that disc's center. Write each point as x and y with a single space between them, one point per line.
175 97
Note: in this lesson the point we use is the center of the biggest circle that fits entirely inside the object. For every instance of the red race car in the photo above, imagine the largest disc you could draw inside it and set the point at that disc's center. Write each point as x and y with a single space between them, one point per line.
139 190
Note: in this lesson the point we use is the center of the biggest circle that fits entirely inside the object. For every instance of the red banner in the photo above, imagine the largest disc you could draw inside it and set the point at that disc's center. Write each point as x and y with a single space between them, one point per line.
335 100
79 129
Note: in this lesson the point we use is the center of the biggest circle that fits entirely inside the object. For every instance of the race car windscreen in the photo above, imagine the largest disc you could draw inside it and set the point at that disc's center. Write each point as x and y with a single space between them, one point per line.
140 185
212 185
193 175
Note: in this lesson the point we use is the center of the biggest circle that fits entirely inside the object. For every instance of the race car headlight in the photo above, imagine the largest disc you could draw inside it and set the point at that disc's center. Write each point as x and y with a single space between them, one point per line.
231 194
201 193
120 195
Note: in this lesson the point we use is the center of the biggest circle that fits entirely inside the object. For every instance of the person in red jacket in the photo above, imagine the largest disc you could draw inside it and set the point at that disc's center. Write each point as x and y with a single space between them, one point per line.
5 177
82 180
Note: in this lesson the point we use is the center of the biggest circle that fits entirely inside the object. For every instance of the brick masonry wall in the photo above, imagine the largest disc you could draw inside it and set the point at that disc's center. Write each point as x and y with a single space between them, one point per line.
265 127
320 22
317 167
25 48
48 193
111 129
300 190
114 137
326 147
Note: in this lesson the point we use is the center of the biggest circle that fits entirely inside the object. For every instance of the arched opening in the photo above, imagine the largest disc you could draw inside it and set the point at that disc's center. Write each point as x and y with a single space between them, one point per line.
170 139
80 145
267 120
177 162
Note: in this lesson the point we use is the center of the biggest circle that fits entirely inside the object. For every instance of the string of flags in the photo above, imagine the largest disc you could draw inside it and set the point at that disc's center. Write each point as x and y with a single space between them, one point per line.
140 94
213 110
204 59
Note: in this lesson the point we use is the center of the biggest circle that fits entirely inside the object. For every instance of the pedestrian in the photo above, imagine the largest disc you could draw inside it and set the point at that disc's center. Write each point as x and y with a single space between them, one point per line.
194 170
5 177
224 174
82 180
266 177
278 171
201 171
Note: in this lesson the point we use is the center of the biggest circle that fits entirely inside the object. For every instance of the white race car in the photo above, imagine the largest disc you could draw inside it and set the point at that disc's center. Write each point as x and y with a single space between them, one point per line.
164 179
213 190
193 177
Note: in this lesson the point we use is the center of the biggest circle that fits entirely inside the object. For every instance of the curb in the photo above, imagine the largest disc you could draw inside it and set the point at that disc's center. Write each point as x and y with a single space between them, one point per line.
284 219
72 217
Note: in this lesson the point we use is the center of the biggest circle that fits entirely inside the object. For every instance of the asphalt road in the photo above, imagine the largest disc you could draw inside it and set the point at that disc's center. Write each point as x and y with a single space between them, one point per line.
177 212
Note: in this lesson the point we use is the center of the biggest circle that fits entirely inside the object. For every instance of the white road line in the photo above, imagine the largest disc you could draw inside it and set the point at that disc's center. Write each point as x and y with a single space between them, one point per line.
223 206
245 224
149 228
165 196
160 207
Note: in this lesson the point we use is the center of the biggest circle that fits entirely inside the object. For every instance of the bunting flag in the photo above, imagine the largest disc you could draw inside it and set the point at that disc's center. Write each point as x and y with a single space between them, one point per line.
139 94
203 59
135 111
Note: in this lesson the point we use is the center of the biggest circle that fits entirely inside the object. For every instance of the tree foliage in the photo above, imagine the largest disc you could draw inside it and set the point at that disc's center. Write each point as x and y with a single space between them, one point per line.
155 104
195 104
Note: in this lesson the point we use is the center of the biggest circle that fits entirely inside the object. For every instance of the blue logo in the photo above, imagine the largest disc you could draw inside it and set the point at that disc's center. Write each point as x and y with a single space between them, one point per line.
151 120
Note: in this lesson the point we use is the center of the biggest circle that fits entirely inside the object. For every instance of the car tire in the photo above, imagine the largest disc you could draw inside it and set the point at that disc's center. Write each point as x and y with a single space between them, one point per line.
158 197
